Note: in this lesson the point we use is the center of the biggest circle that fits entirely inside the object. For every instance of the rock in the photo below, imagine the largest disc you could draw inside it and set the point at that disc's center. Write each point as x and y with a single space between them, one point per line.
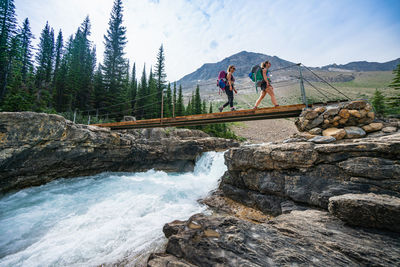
355 113
334 132
373 127
323 139
389 129
344 113
331 112
371 115
320 109
315 131
336 118
36 148
358 104
367 210
129 118
354 132
311 115
314 123
343 121
363 113
299 238
373 168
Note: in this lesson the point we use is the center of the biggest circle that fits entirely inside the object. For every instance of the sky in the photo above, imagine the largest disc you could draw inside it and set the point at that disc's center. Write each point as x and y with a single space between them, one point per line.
313 32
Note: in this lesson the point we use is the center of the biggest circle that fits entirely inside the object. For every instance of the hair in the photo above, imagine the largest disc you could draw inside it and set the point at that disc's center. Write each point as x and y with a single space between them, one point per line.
229 68
264 64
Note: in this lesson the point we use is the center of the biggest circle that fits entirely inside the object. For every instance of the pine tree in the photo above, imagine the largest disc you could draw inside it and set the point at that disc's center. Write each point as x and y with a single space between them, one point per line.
153 103
197 108
168 102
160 76
26 43
7 32
141 96
211 109
114 62
44 60
378 102
99 91
133 89
396 80
180 108
204 108
174 101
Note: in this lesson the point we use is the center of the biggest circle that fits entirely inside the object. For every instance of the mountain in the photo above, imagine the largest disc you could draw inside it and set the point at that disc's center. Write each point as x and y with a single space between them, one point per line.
243 62
364 66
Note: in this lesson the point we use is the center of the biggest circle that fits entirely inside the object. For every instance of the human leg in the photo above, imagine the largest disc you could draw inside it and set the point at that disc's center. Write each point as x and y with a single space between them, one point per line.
262 95
270 91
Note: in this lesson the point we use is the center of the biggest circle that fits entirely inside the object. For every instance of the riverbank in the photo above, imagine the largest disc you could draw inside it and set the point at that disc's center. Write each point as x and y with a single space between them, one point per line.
334 204
36 148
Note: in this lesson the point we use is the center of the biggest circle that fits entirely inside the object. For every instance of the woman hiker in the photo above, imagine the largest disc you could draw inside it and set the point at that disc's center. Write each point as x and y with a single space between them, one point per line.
266 86
229 88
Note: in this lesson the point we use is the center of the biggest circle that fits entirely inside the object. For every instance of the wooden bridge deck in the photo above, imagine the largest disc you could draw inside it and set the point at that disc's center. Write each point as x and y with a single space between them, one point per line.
220 117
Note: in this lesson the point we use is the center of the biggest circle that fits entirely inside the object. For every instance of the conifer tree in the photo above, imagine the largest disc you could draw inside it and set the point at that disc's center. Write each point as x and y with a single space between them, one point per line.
26 43
197 108
44 60
168 102
153 103
133 88
141 96
8 25
204 108
180 108
99 92
114 62
396 80
211 109
174 101
378 102
159 73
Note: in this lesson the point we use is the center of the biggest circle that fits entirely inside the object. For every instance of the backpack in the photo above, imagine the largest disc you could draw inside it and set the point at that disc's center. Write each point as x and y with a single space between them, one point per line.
256 76
221 81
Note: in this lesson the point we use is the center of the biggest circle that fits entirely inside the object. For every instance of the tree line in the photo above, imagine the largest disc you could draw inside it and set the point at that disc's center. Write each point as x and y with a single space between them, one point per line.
63 76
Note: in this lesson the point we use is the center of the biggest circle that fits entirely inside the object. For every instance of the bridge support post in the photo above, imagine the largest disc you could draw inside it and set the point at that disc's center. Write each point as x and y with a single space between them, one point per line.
303 91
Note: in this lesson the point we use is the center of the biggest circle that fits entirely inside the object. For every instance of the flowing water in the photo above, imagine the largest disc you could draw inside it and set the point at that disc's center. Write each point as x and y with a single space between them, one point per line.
102 219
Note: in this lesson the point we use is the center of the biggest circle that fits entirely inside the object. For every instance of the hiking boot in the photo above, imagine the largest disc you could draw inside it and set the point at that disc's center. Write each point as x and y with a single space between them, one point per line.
233 108
221 109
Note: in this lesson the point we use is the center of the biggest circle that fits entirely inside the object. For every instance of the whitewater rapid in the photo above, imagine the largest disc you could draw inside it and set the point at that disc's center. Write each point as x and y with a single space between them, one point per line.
102 219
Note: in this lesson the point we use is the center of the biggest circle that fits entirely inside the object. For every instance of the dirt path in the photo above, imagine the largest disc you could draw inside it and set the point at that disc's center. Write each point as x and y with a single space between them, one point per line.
265 130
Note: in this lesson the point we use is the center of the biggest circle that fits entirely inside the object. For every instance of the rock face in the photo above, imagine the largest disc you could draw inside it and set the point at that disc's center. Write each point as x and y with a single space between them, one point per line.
37 148
368 210
264 176
300 238
298 182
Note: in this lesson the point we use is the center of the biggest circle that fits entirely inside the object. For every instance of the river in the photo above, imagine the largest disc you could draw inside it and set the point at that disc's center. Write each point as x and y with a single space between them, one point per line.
102 219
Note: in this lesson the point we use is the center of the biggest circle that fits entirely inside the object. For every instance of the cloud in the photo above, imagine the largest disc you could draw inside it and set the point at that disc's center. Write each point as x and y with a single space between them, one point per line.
313 32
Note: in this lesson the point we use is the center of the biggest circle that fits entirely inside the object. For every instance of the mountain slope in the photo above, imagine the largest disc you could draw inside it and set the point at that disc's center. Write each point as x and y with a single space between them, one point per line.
243 61
365 66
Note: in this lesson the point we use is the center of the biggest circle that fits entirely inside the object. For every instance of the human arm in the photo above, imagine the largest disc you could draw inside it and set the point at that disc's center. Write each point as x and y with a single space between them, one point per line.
229 79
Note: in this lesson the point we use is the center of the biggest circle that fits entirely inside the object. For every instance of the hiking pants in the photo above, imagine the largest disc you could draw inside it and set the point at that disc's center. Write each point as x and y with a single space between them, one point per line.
229 93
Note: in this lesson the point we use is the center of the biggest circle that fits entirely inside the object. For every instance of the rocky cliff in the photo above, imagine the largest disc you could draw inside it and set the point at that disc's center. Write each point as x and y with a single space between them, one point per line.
335 205
37 148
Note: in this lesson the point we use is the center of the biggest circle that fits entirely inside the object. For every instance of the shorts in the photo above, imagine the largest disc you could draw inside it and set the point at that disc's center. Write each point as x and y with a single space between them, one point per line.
264 84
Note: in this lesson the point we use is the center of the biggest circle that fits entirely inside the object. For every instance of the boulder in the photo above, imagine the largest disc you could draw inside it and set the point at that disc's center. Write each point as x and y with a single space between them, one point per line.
358 104
373 127
389 129
354 132
355 113
315 131
331 112
344 113
320 109
312 114
371 115
334 132
367 210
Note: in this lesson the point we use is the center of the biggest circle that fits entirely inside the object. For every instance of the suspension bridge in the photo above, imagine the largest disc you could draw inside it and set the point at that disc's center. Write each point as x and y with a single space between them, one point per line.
284 111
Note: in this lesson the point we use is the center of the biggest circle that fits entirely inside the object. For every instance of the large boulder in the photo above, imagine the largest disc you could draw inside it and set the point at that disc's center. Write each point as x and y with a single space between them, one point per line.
334 132
368 210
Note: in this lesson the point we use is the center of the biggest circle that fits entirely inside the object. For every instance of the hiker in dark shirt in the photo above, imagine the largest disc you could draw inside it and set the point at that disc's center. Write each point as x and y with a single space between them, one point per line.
266 86
229 89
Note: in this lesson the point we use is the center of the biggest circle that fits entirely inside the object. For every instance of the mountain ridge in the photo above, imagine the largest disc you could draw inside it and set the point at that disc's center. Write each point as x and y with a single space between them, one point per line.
245 60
